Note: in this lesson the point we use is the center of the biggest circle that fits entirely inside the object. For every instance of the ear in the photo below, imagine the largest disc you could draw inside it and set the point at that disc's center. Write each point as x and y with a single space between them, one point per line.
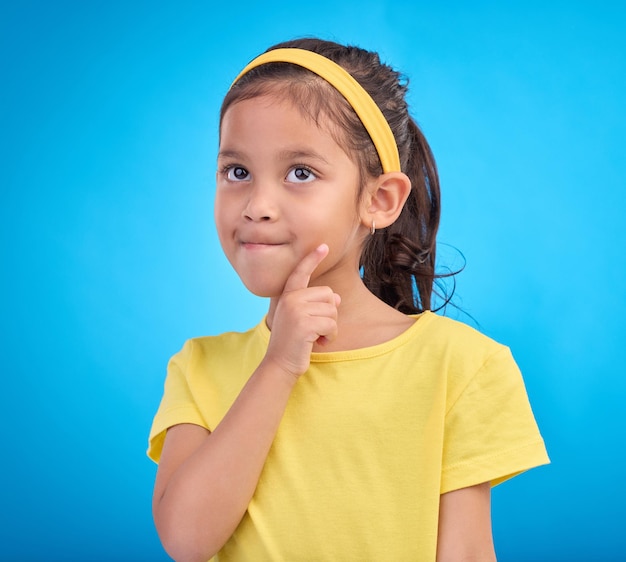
385 199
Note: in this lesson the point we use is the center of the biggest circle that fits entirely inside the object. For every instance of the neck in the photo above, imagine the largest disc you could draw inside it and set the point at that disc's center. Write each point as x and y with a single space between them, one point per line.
354 295
363 320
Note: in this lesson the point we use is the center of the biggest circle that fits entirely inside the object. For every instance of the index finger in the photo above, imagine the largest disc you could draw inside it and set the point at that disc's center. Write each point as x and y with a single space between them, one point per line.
301 275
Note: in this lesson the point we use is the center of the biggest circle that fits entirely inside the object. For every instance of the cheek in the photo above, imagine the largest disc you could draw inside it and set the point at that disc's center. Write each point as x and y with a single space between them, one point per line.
222 217
224 205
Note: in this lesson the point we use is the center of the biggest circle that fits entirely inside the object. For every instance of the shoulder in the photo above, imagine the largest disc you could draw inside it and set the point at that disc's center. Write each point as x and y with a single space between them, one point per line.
455 338
462 354
204 348
212 361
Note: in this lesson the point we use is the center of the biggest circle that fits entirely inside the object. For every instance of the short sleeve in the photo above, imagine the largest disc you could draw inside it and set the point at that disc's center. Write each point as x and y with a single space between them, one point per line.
490 432
177 404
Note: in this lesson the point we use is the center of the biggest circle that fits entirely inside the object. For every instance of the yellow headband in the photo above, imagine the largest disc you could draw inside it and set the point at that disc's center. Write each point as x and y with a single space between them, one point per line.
369 113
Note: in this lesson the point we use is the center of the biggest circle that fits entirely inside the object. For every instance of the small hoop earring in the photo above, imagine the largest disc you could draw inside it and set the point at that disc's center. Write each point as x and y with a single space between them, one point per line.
373 230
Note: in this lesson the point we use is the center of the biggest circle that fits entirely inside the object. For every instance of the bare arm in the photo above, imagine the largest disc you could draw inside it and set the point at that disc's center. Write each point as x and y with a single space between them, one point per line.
465 526
205 480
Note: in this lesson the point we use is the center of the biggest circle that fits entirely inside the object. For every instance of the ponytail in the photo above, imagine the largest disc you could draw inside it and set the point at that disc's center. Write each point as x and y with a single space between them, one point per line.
398 263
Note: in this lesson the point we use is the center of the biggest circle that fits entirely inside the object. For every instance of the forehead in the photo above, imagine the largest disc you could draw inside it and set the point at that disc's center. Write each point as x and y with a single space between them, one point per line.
273 117
267 111
314 98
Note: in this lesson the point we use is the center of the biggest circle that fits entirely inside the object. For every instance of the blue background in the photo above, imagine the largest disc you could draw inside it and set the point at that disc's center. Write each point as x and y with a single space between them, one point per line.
109 258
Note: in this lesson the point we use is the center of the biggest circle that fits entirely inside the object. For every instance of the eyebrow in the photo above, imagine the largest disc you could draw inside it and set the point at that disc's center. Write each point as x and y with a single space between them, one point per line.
283 155
230 154
299 154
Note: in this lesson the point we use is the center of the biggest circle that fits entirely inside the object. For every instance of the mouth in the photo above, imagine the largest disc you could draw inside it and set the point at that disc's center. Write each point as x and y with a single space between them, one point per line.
259 244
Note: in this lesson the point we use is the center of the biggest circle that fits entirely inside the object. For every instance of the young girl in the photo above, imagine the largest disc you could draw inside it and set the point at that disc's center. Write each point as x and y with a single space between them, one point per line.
352 423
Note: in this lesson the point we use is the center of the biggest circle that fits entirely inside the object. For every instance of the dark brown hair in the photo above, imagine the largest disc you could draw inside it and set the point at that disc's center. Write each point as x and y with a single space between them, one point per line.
398 262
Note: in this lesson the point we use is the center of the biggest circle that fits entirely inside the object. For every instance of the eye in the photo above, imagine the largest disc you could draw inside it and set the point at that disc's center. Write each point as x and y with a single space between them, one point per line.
300 174
236 173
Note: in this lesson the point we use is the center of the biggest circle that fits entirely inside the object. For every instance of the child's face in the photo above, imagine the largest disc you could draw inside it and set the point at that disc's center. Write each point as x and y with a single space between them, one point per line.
284 186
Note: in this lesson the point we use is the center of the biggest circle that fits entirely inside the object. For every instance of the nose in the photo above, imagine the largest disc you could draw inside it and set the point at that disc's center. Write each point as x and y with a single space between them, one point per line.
261 205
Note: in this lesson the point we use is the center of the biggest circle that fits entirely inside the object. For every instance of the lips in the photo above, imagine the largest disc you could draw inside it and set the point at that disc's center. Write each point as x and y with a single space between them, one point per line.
252 239
261 242
254 244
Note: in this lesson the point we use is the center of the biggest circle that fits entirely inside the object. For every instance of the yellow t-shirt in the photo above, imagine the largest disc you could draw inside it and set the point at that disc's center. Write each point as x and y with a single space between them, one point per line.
369 440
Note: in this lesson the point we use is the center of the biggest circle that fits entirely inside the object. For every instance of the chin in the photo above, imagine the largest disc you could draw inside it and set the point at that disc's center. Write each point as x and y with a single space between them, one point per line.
264 290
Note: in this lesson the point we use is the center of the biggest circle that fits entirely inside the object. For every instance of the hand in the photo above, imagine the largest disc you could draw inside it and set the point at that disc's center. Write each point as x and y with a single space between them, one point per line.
304 315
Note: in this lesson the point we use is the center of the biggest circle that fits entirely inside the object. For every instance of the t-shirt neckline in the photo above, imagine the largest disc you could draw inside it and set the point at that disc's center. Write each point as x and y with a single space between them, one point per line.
365 352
